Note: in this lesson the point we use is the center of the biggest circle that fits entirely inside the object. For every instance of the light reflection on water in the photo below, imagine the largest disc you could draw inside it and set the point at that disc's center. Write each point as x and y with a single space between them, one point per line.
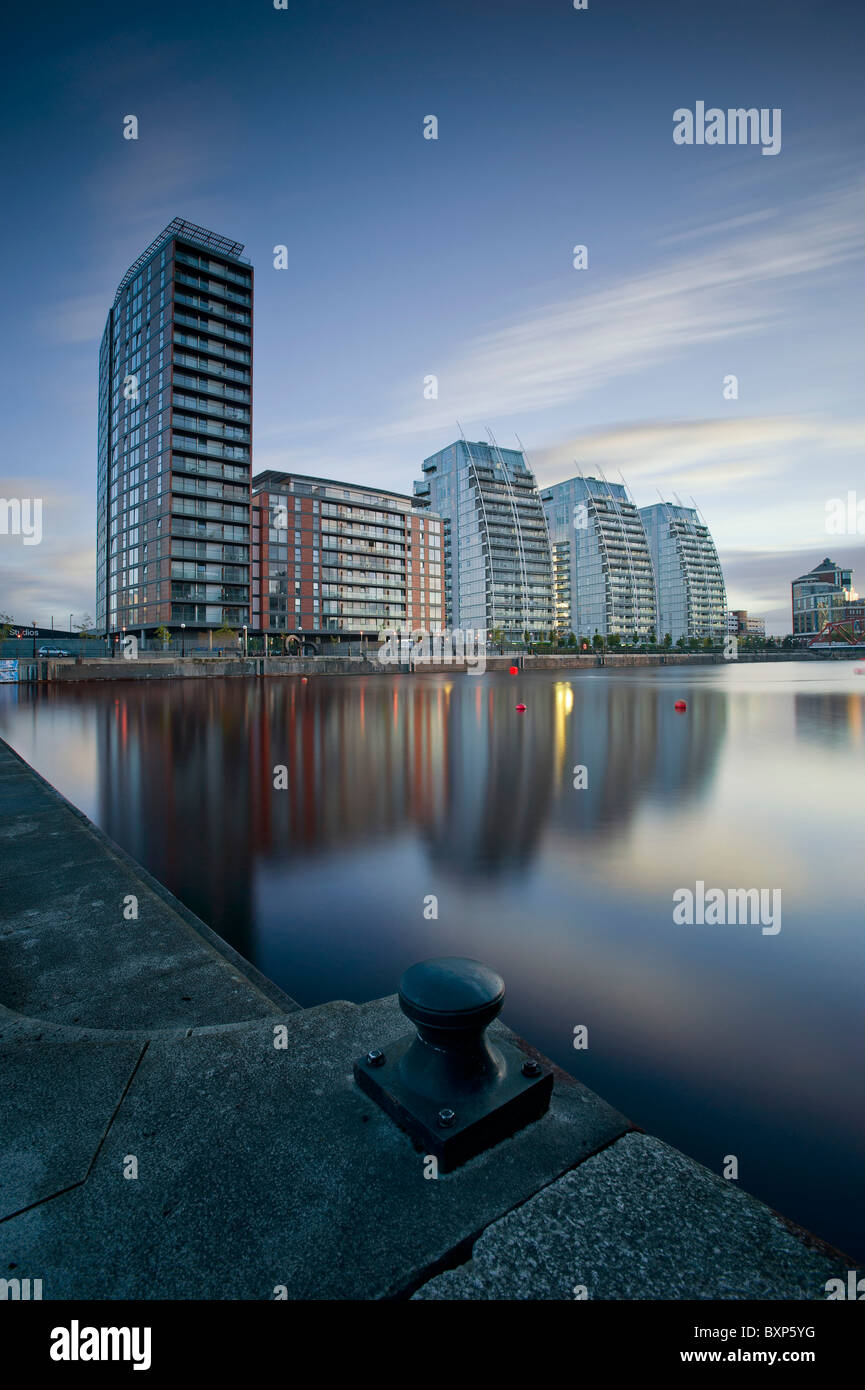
719 1039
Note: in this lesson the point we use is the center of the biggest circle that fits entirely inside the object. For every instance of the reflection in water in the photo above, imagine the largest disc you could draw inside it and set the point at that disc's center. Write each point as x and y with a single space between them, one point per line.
720 1040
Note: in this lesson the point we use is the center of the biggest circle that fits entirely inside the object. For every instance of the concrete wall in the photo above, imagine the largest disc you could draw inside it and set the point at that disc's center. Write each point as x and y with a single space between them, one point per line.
149 667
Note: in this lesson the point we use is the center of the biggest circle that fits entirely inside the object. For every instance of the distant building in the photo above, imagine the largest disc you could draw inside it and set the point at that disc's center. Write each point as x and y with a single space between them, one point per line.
692 598
741 625
332 557
823 595
604 580
174 468
498 570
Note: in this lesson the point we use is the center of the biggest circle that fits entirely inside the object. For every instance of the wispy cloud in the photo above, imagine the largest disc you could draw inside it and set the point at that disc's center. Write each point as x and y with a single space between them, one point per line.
715 454
561 352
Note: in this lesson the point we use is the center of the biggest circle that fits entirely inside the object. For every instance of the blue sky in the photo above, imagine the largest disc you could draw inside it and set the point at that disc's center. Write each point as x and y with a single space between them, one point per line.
410 257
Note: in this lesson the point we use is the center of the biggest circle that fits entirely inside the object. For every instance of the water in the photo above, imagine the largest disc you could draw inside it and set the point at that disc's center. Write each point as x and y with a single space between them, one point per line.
722 1040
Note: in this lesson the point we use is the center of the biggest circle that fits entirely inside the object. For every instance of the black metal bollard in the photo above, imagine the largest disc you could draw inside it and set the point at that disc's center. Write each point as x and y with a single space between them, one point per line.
447 1084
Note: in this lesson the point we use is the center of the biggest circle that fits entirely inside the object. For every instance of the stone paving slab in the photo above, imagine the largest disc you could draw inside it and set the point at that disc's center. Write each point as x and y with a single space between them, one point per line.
58 1099
68 955
261 1167
641 1221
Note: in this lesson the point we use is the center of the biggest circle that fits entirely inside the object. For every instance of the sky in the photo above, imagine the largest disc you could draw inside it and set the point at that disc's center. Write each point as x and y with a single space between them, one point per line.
407 257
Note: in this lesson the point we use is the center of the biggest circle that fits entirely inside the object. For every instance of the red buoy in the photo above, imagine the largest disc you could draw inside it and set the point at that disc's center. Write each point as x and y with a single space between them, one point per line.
303 680
515 670
521 709
681 706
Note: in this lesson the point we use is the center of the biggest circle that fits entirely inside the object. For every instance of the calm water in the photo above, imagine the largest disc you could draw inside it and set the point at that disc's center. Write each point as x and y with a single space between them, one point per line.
720 1039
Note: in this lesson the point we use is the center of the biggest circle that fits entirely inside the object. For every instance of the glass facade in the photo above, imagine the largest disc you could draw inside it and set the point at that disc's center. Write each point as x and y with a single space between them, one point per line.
604 573
498 564
175 413
692 597
331 557
824 595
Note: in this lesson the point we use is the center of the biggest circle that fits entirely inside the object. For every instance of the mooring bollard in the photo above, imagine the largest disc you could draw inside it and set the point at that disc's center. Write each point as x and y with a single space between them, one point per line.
447 1085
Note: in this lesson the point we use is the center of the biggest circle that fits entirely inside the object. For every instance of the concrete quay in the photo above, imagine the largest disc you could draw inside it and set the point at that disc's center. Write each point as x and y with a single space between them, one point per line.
173 1126
152 667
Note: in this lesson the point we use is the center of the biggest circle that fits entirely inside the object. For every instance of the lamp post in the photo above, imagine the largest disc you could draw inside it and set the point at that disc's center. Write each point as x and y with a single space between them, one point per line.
183 639
245 641
70 622
33 625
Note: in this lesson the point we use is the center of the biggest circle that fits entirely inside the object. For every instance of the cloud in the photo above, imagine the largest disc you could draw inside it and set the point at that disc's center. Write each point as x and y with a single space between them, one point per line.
563 351
58 576
718 454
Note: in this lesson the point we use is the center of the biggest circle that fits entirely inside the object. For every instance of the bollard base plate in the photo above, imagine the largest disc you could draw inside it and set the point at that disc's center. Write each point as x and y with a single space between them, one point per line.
483 1116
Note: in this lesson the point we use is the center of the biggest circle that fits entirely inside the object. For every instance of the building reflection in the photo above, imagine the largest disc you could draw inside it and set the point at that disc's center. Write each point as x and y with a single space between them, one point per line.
830 718
186 771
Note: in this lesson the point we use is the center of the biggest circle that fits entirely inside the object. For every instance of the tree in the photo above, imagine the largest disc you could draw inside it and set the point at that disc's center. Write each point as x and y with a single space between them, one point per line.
162 635
614 639
598 642
84 626
668 641
7 626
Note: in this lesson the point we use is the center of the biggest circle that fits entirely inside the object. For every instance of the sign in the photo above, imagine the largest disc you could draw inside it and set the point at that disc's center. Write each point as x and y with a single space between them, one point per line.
8 669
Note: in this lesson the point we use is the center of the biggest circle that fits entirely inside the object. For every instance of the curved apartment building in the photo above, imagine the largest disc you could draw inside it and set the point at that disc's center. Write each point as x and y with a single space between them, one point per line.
603 570
692 596
497 560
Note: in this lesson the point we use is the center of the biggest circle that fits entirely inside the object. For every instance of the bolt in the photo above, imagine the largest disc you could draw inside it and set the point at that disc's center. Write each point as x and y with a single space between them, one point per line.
446 1118
531 1068
375 1058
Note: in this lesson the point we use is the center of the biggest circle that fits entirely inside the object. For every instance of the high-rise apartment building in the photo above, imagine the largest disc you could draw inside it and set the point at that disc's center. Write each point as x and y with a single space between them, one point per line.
692 597
603 568
498 568
332 557
175 418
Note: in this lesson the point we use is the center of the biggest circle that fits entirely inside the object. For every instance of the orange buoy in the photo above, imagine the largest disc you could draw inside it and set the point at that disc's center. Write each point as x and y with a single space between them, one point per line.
681 706
515 670
304 679
521 709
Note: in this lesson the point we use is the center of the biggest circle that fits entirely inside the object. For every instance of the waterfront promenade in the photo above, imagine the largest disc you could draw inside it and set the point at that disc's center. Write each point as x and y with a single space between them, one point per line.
174 1126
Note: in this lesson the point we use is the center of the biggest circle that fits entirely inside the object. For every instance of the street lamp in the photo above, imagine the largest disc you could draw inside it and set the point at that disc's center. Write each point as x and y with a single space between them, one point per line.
245 641
183 639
